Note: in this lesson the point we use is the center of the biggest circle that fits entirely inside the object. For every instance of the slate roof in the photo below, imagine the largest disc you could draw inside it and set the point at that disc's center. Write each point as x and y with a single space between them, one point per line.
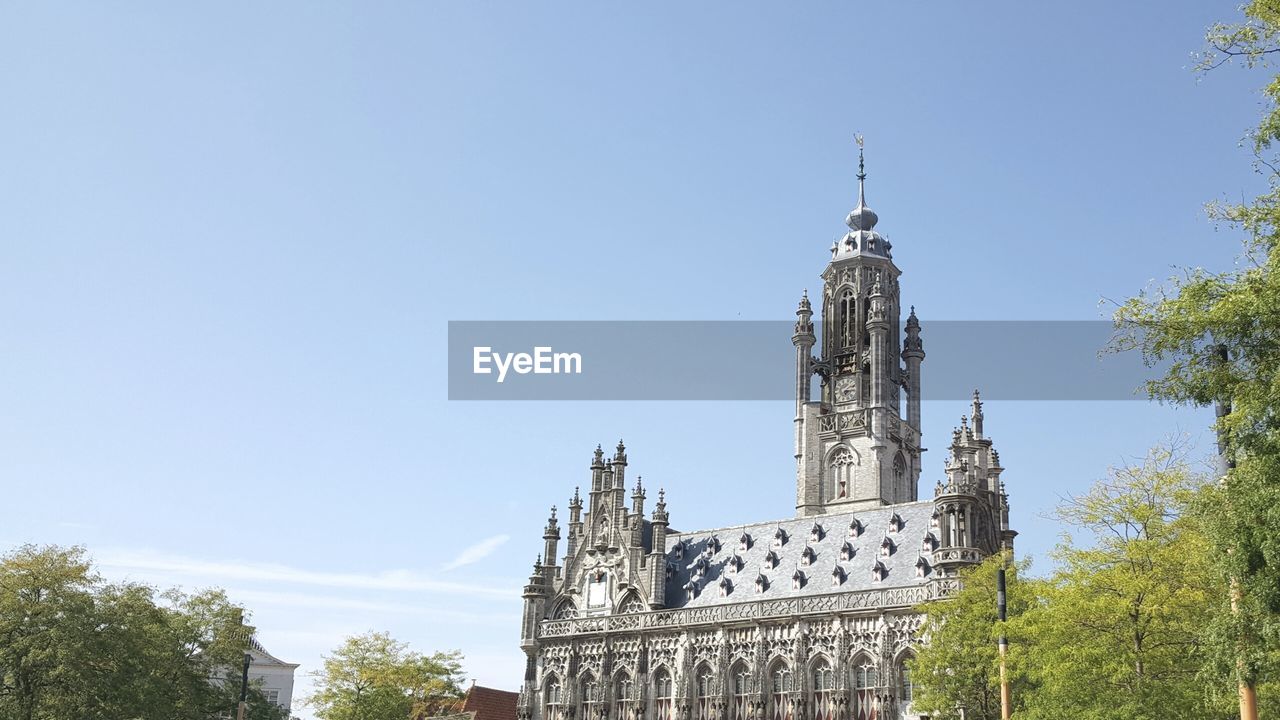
707 567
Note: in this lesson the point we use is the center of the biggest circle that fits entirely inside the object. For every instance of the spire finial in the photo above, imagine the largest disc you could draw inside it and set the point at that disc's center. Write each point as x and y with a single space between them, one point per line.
862 217
862 169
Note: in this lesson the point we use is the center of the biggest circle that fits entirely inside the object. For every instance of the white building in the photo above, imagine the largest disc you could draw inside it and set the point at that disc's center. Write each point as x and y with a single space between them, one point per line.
272 675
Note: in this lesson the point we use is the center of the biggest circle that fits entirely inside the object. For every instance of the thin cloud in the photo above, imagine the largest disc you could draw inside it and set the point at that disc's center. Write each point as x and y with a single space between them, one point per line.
477 552
215 571
325 602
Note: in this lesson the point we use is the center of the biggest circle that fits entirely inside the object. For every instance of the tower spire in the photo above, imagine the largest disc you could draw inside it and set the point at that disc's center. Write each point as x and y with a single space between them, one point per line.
862 171
862 217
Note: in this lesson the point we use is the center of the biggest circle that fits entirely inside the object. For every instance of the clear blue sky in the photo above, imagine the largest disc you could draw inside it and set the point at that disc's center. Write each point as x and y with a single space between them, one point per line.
231 236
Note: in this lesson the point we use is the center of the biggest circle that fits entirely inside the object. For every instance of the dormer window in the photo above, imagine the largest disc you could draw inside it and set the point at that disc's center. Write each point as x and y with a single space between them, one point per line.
679 550
846 551
935 520
798 580
879 571
744 542
762 583
855 528
922 567
700 568
816 533
771 560
671 570
713 545
779 538
837 576
930 543
734 564
886 548
691 589
808 556
895 523
726 587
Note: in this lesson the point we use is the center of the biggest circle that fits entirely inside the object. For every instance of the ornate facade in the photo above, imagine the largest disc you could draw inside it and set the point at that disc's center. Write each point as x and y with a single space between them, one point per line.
806 618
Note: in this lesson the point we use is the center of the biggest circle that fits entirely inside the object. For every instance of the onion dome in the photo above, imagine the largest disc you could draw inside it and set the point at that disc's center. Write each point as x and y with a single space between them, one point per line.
862 238
862 217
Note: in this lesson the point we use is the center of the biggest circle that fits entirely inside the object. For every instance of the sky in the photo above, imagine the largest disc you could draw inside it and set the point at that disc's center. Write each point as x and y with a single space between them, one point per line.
232 236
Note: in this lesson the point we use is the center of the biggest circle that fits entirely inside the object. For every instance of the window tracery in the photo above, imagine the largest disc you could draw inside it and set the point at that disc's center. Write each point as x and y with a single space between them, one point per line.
824 706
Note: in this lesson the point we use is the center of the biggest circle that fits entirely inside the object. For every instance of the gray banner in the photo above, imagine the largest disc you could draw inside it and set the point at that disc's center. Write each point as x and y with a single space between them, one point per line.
755 360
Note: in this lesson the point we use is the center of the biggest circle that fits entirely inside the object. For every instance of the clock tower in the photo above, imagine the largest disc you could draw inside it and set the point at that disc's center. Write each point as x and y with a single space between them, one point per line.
854 448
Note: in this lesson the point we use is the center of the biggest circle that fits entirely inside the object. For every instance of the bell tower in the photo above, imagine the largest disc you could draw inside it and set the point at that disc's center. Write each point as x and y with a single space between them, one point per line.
854 448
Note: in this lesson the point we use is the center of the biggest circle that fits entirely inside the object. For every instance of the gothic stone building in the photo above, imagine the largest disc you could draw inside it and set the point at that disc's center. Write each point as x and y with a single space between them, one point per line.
810 617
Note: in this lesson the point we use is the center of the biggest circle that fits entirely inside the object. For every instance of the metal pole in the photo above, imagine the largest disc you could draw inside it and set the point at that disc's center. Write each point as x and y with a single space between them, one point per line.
1003 642
243 707
1226 463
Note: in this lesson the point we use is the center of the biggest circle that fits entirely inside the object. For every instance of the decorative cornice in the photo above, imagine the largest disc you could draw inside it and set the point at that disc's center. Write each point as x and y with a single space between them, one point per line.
875 600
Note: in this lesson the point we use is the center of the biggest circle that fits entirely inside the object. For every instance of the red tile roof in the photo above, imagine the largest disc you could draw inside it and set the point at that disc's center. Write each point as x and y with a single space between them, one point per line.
490 704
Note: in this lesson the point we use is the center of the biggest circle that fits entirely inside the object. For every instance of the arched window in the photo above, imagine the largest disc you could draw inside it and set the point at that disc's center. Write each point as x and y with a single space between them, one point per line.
780 689
843 463
632 604
824 685
905 690
564 611
552 701
864 690
624 701
900 477
704 689
592 702
740 676
846 319
663 696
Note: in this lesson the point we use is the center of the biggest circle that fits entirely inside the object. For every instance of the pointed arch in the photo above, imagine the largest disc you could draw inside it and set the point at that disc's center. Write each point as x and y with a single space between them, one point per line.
822 684
663 694
842 463
704 691
903 666
552 698
865 683
900 478
564 609
631 602
590 698
625 699
740 690
781 684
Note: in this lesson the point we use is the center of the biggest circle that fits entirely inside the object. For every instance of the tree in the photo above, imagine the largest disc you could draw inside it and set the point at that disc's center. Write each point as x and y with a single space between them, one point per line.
1117 632
374 677
958 665
72 646
1188 322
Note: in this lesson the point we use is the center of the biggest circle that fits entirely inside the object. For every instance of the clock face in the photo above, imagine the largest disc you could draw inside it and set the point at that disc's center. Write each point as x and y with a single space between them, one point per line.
845 388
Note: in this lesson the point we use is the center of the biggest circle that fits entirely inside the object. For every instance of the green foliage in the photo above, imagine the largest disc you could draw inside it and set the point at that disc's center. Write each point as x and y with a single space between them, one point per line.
373 676
1119 623
1184 323
72 646
1117 632
959 665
